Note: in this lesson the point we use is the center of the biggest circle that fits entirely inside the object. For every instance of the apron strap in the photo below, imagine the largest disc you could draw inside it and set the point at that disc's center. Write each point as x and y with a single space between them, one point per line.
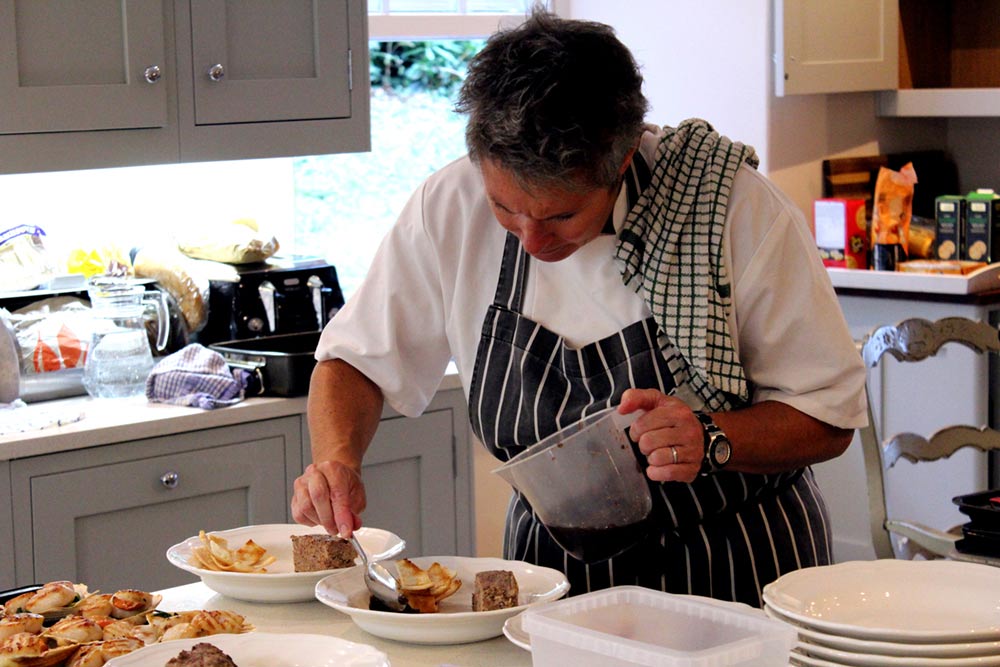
513 275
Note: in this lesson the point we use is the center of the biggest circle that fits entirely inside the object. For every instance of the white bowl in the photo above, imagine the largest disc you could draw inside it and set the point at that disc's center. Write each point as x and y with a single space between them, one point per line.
455 623
281 583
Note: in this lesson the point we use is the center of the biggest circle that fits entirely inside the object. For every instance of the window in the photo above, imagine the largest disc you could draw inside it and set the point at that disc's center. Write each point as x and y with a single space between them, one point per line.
344 204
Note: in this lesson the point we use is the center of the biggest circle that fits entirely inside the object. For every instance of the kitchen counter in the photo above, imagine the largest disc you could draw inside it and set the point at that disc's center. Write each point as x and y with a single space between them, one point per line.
317 618
106 421
176 470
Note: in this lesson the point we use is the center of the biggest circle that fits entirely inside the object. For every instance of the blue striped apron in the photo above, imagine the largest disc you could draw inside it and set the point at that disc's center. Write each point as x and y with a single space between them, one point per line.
724 536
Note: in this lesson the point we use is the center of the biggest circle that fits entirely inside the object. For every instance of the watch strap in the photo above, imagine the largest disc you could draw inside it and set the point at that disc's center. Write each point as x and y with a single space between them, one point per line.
713 437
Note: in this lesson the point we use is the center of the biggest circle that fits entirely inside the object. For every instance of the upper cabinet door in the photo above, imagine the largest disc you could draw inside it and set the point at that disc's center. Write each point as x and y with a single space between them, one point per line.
835 47
72 66
260 60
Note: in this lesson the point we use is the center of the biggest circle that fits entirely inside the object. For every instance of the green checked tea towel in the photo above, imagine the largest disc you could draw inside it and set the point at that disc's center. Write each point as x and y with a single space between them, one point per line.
671 244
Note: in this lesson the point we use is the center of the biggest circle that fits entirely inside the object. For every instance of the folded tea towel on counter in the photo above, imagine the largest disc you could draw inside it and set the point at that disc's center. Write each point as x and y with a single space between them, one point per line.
196 376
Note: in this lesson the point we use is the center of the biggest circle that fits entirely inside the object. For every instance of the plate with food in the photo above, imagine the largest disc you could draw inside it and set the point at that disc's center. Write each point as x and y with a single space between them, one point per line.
470 599
275 562
62 622
257 649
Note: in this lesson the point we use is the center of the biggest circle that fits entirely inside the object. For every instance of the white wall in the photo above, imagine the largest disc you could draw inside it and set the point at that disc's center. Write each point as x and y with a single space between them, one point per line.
714 59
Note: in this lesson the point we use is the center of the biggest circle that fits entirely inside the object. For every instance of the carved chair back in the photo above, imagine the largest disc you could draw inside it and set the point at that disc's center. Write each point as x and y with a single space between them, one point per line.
914 340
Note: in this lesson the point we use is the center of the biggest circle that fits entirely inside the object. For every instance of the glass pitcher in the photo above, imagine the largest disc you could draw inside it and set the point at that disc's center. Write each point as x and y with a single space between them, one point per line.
119 357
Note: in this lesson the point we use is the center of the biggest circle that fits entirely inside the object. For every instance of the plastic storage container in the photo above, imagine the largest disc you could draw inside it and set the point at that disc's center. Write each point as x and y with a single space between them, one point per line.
629 625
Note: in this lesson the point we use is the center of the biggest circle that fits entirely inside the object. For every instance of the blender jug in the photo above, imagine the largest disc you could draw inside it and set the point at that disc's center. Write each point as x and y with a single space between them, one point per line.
119 357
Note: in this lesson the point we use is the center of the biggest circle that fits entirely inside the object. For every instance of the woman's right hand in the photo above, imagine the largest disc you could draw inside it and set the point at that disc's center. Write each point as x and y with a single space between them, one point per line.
329 494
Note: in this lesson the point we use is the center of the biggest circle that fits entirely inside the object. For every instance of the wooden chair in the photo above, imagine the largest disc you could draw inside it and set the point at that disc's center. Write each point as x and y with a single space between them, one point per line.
913 340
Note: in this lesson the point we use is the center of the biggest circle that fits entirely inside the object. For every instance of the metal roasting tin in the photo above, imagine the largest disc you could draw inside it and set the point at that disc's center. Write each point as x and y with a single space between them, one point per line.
283 363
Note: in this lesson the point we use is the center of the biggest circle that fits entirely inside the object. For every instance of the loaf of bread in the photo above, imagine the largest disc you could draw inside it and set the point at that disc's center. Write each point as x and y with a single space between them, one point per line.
176 274
311 553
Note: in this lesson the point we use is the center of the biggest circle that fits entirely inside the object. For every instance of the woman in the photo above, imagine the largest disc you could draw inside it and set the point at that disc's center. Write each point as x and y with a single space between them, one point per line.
579 259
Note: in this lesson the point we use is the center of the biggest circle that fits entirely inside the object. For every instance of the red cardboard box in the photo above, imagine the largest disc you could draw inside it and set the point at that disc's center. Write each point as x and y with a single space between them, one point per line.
841 232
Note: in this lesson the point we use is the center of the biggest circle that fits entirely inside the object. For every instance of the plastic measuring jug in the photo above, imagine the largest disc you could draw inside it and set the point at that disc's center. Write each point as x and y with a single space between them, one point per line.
587 486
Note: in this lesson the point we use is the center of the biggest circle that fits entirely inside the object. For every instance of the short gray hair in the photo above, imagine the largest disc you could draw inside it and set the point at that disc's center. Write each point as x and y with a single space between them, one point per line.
554 102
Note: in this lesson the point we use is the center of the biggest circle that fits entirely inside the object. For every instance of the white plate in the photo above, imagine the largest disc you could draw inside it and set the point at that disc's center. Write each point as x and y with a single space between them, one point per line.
910 649
261 649
514 631
455 623
870 660
281 583
934 601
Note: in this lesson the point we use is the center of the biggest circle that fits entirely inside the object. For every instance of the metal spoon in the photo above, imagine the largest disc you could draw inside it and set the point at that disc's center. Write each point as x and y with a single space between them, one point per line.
382 585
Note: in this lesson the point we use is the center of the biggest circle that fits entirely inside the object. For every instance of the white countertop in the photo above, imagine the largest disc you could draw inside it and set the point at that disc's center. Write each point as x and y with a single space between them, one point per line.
106 421
317 618
986 279
94 422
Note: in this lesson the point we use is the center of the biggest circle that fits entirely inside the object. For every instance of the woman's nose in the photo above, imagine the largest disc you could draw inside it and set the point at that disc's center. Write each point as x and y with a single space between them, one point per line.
531 235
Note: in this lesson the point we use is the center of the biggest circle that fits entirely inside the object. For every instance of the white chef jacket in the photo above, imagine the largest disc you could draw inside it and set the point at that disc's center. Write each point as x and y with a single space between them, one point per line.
435 274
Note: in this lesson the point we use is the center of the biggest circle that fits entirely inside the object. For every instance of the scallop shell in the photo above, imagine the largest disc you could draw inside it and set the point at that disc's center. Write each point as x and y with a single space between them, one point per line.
28 650
75 630
12 624
131 602
95 605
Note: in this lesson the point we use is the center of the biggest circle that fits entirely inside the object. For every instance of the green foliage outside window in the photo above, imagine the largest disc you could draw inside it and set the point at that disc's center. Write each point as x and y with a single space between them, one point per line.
432 66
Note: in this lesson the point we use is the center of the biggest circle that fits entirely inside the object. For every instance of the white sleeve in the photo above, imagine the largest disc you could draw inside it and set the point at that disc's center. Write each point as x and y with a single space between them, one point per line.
794 343
392 328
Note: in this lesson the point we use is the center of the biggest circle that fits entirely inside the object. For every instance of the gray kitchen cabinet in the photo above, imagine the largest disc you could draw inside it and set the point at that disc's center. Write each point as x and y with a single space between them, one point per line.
106 515
6 529
122 83
418 478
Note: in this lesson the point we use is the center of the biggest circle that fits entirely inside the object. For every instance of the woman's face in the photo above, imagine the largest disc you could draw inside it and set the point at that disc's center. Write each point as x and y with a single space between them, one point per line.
551 223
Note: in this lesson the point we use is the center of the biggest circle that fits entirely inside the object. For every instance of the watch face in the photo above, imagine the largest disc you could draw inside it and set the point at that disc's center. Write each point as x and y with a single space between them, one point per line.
722 452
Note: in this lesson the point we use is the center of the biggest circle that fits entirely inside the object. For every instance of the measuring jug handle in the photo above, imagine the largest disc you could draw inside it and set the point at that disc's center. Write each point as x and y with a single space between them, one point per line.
159 299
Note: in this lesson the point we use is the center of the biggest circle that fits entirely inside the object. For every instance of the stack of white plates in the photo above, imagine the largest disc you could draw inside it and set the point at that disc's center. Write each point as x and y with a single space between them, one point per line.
891 612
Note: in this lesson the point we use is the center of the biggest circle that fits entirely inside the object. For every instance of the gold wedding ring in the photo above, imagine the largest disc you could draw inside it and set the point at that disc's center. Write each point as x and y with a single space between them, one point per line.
673 450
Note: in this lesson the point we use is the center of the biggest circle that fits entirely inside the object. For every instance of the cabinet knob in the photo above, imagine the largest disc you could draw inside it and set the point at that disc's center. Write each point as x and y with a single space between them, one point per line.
216 72
170 479
152 74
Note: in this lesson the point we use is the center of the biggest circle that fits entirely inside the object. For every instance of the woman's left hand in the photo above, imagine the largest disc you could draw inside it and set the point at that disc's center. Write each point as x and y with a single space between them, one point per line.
668 433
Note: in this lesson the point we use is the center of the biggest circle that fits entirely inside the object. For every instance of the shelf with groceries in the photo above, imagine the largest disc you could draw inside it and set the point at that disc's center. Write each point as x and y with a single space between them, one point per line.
880 227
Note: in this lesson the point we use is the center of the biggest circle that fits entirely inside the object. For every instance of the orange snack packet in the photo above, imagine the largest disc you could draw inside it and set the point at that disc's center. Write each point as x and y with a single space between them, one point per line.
893 205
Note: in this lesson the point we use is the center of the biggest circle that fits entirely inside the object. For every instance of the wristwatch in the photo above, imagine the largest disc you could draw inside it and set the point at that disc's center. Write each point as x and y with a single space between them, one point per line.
718 449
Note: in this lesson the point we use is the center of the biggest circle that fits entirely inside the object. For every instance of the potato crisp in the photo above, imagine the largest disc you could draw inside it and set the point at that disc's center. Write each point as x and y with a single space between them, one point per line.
215 554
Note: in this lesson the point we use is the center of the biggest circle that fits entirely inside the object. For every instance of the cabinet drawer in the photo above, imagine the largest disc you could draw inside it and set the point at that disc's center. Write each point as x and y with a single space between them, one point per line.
109 523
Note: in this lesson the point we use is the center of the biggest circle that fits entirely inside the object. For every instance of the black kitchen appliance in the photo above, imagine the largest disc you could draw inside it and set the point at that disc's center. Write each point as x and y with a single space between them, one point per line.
280 296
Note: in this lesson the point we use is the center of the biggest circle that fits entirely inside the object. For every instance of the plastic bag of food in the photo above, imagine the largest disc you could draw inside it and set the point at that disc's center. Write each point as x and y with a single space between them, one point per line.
107 260
53 334
891 216
24 263
179 275
240 241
